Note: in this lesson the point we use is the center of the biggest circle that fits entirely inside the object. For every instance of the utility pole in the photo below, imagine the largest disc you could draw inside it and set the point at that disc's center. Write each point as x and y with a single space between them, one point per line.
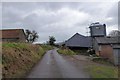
87 31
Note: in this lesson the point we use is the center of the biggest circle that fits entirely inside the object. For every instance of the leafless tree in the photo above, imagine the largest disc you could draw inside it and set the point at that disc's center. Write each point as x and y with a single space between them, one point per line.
114 33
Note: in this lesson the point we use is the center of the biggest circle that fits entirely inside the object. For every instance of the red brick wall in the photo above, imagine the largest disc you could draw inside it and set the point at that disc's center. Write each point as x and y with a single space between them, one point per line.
107 52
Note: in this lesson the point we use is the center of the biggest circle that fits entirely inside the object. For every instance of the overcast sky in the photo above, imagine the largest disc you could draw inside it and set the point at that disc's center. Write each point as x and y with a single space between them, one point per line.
59 19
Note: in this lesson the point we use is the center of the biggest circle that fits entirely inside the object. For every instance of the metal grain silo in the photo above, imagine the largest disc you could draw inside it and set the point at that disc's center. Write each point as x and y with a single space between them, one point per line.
97 30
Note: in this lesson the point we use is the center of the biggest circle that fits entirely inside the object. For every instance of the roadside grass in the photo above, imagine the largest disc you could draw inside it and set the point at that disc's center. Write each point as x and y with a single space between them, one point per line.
102 60
102 68
66 51
81 52
47 47
19 58
102 71
14 45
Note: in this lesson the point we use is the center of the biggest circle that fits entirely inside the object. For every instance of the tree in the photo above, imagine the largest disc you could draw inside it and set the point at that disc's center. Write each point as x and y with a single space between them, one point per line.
35 36
114 33
31 36
27 32
52 40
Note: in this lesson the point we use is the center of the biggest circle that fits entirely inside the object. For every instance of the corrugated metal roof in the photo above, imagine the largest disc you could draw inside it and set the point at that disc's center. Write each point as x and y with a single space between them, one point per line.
78 40
107 40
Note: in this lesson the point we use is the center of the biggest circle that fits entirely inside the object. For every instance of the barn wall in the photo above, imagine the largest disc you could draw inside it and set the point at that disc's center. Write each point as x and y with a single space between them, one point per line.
96 47
22 37
79 49
10 40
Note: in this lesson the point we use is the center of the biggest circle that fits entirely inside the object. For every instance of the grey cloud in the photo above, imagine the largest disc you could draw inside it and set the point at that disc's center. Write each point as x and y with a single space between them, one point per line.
119 15
113 13
62 19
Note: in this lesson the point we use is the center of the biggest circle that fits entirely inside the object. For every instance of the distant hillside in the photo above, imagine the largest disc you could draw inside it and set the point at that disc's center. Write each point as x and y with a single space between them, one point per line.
19 58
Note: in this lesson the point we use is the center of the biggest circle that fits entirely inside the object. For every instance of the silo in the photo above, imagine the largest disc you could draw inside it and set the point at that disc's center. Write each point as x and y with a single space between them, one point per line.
97 30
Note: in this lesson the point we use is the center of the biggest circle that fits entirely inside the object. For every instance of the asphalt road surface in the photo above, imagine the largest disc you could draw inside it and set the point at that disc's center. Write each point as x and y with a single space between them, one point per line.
53 65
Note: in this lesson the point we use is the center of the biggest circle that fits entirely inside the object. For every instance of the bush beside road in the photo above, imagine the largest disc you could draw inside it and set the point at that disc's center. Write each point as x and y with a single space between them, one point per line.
66 52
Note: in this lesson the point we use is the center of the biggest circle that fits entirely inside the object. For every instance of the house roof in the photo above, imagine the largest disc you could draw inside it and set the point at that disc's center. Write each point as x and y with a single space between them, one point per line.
78 40
107 40
11 33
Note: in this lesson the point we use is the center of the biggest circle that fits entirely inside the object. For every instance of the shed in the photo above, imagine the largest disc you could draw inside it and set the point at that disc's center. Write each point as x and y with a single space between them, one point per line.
107 47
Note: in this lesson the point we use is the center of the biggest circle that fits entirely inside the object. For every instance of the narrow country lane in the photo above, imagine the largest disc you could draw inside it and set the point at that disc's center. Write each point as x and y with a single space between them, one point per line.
54 65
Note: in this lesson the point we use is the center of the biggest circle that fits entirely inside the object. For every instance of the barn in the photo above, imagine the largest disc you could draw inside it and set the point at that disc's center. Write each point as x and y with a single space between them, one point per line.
78 42
13 35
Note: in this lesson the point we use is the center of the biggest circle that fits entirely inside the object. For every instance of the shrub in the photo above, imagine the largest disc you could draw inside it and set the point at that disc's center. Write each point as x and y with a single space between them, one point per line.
66 52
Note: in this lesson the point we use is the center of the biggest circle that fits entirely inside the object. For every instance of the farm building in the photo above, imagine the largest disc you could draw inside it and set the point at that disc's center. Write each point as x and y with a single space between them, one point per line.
13 35
78 42
107 47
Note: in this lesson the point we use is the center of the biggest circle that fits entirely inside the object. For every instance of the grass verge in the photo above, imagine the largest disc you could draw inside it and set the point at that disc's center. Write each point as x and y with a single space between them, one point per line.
19 58
102 71
102 60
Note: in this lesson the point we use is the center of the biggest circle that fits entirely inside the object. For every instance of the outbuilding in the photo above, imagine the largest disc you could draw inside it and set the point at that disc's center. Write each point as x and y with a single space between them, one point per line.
107 47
